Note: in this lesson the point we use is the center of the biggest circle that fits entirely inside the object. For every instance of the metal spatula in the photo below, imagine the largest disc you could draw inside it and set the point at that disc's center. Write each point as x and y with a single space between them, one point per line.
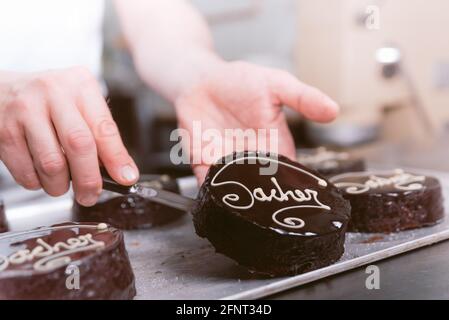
167 198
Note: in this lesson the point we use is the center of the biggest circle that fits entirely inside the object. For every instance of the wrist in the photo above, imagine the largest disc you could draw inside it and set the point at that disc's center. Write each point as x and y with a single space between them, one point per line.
179 71
195 69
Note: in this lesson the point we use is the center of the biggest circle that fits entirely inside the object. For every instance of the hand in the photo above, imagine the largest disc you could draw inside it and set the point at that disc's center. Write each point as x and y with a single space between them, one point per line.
56 124
240 95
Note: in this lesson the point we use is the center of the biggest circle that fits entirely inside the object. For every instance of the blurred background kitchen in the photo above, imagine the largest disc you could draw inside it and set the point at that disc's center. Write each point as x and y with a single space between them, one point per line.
386 62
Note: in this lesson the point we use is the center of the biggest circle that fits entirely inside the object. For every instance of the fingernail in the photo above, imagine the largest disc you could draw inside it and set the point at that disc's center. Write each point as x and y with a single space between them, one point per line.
88 200
331 103
128 173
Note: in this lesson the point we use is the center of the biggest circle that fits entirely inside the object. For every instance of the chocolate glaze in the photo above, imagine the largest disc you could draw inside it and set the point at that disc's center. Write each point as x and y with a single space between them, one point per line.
132 211
392 201
328 162
3 223
104 268
318 221
257 237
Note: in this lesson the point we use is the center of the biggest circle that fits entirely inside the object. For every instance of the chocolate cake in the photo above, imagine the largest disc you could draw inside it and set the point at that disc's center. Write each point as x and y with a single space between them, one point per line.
328 162
271 215
131 211
65 261
391 201
3 224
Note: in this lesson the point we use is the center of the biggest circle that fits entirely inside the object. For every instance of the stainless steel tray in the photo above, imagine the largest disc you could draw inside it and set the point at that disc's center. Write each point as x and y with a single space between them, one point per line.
172 262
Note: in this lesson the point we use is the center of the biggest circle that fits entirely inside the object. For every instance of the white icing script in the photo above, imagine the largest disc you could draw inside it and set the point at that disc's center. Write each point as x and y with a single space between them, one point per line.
48 256
324 157
400 180
275 193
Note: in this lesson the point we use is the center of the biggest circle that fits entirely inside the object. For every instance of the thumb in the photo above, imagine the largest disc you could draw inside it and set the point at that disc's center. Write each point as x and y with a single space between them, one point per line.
309 101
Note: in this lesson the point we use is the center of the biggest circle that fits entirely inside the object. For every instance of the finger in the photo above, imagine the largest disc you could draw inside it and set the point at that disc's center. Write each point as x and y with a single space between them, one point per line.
15 155
285 143
307 100
111 150
200 172
79 148
48 158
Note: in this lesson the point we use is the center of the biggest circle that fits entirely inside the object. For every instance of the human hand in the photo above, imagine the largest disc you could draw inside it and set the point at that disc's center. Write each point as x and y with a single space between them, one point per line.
55 125
239 95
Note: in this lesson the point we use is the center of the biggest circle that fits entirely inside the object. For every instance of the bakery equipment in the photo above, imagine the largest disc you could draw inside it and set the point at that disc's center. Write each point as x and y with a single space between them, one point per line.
389 58
373 57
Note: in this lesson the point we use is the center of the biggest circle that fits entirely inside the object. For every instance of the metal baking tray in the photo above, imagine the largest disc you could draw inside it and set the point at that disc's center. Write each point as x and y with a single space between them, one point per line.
172 262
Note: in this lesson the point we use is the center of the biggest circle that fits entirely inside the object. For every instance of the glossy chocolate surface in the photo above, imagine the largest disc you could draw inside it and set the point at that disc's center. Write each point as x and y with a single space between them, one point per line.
291 199
328 162
391 201
34 263
131 211
53 242
395 181
283 222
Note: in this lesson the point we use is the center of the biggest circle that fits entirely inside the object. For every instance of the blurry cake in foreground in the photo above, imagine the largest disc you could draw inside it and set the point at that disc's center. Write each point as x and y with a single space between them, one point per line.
66 261
271 215
328 162
131 211
391 201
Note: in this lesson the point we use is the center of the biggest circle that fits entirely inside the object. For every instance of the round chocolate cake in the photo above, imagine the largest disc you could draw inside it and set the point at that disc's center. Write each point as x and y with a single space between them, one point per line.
271 215
391 201
3 223
66 261
131 212
329 163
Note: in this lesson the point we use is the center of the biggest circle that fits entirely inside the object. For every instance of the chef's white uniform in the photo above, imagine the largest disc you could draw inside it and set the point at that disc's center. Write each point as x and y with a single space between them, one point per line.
38 35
